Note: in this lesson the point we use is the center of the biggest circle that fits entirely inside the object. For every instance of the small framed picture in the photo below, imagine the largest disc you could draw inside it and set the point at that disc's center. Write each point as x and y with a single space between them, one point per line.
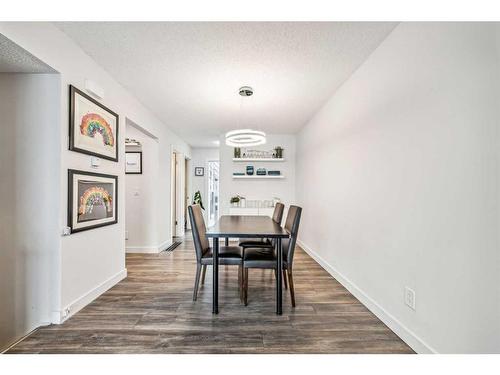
93 128
92 200
133 162
199 171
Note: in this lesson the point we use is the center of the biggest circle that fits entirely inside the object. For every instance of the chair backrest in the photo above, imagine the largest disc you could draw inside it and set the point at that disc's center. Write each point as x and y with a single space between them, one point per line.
278 212
292 226
201 244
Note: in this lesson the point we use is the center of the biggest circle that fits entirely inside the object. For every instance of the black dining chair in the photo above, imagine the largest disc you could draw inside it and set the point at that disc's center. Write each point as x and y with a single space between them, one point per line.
254 257
265 242
228 255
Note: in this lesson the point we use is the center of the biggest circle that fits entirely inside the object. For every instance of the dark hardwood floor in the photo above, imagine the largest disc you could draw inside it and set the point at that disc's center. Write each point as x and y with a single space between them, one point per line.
152 311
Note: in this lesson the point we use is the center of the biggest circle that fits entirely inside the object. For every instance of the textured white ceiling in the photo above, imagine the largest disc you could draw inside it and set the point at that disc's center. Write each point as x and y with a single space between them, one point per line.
14 59
189 73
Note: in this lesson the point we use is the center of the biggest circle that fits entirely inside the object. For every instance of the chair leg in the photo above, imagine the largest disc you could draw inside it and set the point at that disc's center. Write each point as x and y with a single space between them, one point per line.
203 274
196 281
285 284
292 290
245 290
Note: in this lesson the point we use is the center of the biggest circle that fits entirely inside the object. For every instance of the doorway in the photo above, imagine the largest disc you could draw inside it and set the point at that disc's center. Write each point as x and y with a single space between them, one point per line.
213 192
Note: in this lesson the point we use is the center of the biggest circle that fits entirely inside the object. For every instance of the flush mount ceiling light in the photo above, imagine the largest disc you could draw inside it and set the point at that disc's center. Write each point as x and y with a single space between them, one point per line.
245 137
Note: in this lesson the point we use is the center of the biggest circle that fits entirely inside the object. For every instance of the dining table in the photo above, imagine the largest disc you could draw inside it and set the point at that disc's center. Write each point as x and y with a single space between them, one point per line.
243 226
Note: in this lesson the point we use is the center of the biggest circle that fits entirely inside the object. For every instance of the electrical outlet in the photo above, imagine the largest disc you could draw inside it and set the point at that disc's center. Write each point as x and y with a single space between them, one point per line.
65 312
66 231
410 298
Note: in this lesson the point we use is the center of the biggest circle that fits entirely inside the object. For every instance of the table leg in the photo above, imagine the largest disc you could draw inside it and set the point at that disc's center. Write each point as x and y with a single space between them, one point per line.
227 241
215 282
279 276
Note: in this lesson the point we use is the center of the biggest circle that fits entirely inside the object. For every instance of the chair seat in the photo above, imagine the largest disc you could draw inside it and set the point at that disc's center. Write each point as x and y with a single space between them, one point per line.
256 242
261 258
227 255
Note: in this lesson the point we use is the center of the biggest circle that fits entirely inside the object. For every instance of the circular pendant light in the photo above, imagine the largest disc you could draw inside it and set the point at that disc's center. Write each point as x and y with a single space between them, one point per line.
245 137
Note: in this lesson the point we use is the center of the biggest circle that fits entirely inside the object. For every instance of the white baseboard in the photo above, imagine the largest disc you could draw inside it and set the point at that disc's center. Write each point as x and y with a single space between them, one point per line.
148 249
142 249
409 337
75 306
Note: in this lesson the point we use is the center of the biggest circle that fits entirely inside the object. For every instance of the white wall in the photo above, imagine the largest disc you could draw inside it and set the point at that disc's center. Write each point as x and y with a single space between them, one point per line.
258 189
200 158
29 192
398 177
141 190
94 260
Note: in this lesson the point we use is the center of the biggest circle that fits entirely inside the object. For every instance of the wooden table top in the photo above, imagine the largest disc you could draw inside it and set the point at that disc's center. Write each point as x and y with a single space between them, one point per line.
240 226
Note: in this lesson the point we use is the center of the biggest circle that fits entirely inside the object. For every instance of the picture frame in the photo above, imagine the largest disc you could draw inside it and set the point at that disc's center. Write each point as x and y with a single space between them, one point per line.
92 200
93 128
133 162
199 171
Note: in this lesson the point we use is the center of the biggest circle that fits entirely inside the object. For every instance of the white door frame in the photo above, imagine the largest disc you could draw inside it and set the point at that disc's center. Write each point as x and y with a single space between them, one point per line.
178 191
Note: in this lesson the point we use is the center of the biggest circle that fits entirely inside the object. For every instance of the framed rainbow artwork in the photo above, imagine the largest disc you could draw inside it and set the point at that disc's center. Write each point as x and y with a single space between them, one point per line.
93 128
92 200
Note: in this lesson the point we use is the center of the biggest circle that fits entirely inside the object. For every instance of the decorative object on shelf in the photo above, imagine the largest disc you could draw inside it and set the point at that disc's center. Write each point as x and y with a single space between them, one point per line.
259 154
131 142
197 199
235 201
133 162
238 174
271 159
261 171
249 170
237 152
199 171
92 200
245 137
93 128
279 152
273 173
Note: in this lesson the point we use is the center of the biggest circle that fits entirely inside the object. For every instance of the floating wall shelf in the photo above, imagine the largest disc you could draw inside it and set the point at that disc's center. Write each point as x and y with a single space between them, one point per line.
258 177
258 159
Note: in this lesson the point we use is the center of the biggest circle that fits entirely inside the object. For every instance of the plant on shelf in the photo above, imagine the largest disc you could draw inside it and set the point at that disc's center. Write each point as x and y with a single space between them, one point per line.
237 152
197 199
279 152
236 200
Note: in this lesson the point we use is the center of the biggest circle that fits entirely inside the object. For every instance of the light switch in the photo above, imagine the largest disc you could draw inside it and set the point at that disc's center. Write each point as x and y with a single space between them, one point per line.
95 162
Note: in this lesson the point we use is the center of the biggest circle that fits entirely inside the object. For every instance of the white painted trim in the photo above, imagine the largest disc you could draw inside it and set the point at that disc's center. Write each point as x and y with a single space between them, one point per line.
88 297
142 249
409 337
149 249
